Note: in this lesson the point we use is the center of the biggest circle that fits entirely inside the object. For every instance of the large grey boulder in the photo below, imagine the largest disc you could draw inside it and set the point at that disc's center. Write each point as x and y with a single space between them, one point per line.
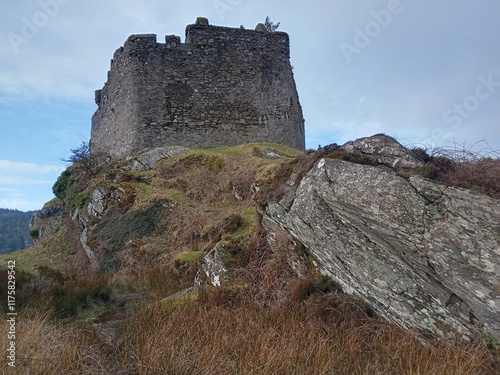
382 149
422 254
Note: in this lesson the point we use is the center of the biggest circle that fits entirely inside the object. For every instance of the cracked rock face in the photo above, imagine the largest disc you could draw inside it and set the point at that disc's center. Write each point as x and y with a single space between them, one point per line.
424 255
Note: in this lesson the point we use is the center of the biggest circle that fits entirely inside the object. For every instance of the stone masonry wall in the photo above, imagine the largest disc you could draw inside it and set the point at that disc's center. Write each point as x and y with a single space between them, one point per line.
222 87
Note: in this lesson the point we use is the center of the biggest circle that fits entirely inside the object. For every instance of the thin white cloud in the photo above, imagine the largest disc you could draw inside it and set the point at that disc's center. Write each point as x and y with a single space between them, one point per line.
10 180
7 190
19 167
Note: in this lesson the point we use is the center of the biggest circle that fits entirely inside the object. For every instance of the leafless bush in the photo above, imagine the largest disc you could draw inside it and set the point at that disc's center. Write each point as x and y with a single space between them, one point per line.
475 166
467 167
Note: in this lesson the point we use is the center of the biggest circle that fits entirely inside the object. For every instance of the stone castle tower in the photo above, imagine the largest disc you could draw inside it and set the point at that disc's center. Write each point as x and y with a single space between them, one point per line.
222 87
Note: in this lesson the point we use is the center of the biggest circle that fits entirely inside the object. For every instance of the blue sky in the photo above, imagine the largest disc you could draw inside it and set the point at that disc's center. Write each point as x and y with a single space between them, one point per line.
424 71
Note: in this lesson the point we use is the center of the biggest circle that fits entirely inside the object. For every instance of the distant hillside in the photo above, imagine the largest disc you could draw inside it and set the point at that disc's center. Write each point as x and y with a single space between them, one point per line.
14 230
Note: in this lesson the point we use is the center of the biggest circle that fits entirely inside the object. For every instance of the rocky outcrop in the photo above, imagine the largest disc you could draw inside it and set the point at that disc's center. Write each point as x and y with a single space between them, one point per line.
268 153
46 221
147 160
422 254
97 203
382 149
84 226
213 266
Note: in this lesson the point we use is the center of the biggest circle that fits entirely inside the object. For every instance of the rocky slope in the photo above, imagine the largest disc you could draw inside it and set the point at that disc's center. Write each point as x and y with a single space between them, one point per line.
421 254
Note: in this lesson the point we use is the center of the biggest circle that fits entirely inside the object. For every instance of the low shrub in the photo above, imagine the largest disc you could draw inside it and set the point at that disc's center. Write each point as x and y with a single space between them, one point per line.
116 229
481 175
34 233
214 163
50 274
56 294
303 288
231 223
461 166
75 199
159 280
62 184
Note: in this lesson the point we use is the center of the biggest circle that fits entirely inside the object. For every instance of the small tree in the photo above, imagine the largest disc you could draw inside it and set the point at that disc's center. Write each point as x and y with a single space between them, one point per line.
81 157
270 26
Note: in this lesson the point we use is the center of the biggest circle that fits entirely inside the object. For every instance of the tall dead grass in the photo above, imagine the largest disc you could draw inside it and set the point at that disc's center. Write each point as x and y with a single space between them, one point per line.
46 347
286 340
192 339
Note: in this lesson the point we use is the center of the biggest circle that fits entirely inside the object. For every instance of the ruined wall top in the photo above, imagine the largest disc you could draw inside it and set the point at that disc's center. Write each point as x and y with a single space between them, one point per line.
208 37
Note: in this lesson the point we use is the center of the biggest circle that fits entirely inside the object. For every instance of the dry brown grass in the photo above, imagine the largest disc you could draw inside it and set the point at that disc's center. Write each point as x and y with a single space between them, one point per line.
45 347
249 339
289 340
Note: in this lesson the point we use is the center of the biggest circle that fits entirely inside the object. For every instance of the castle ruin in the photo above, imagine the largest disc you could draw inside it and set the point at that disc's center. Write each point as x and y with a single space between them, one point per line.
222 87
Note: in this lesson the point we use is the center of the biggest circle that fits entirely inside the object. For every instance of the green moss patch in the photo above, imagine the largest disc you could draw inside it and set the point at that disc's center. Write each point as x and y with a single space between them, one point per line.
189 256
